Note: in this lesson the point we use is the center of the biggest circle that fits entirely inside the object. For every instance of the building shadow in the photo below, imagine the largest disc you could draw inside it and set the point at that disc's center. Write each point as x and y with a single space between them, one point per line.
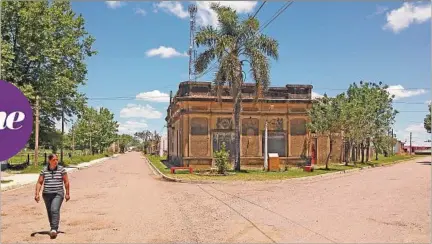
424 163
44 233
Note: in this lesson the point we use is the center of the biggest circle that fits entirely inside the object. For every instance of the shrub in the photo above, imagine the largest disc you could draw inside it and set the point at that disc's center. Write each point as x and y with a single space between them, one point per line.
221 159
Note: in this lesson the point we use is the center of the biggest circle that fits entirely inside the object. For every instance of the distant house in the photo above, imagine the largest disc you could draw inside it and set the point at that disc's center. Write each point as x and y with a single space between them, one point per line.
163 146
399 147
415 148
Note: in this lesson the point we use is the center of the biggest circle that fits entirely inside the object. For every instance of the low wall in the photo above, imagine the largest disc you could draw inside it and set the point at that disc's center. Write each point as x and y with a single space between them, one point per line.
248 162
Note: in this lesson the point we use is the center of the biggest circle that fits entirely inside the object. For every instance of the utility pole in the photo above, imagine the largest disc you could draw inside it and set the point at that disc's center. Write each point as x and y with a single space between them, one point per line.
73 138
265 147
392 144
411 143
266 142
192 51
62 136
36 152
91 149
90 133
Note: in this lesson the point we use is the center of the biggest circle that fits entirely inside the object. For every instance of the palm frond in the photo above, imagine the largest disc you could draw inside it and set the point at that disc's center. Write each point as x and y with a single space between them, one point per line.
207 36
204 59
228 19
268 45
259 68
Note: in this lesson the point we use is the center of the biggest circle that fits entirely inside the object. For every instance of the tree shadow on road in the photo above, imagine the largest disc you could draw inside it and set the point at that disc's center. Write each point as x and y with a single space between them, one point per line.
424 163
44 233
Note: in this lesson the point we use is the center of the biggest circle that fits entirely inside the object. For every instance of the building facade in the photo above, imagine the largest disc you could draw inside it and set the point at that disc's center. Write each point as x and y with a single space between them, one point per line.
198 123
163 146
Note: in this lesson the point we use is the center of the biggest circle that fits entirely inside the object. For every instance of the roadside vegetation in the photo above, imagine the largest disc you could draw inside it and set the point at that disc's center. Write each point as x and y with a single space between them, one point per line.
31 169
260 175
51 77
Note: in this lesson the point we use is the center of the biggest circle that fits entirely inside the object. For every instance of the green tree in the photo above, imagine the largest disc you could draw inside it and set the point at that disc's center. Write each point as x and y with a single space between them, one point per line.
156 138
145 137
125 141
95 129
427 121
326 120
367 116
44 47
232 44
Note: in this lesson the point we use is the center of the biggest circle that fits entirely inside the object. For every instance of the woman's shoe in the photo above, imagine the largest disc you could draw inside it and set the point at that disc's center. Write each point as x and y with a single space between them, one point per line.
53 234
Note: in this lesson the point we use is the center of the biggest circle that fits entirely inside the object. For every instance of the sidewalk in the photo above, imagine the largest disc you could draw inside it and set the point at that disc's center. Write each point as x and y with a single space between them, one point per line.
20 180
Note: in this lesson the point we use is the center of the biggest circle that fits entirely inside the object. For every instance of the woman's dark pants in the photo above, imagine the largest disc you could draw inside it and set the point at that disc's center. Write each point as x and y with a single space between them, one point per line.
53 202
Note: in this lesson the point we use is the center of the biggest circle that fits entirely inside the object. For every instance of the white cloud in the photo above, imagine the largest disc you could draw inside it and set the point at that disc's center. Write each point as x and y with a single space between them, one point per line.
316 95
165 52
419 135
416 128
140 111
140 11
130 127
175 8
400 92
407 14
114 4
153 96
205 16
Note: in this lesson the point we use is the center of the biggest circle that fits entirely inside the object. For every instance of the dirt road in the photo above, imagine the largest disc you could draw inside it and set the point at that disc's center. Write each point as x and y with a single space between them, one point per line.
121 201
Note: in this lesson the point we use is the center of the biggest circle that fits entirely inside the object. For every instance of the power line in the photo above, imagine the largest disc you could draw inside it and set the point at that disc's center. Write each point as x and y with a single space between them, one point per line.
279 12
133 98
391 89
259 9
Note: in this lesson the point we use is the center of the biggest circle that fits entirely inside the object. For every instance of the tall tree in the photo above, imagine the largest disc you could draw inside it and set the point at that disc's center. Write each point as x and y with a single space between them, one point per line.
325 117
145 137
125 141
427 121
44 47
95 129
232 44
367 116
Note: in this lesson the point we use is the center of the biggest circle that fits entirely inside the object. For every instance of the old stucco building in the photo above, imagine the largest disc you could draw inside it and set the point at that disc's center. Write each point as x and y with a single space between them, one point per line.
198 124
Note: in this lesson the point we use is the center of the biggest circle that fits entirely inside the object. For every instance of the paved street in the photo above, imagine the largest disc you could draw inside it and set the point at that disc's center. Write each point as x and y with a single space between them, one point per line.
121 201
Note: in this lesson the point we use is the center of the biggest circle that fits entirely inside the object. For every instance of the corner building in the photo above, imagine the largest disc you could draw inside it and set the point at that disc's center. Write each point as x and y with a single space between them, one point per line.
198 123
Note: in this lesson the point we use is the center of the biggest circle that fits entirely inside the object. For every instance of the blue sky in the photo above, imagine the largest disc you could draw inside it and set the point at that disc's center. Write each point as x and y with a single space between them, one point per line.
142 49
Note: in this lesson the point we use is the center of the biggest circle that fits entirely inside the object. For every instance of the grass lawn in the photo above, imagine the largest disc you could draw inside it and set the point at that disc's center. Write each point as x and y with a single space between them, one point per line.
31 169
389 160
6 181
21 157
259 175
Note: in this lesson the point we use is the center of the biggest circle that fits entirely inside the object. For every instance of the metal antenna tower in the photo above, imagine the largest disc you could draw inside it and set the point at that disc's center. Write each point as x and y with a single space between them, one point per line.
192 51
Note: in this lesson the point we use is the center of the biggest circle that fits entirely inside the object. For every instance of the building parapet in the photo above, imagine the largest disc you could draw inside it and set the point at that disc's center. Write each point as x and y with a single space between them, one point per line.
205 91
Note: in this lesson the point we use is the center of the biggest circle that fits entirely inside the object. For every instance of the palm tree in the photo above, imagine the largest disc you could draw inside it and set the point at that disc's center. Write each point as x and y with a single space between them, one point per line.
232 44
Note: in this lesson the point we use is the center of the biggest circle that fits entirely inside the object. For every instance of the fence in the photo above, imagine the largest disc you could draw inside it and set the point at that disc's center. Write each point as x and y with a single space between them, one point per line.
22 160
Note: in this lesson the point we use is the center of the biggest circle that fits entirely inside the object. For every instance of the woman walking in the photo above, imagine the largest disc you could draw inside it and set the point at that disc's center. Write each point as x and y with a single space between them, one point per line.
54 178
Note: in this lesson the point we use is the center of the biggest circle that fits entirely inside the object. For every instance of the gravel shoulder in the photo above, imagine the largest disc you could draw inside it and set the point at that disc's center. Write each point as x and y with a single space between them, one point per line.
123 201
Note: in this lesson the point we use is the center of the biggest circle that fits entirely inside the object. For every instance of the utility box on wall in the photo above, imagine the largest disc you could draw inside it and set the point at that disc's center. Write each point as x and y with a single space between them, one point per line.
274 162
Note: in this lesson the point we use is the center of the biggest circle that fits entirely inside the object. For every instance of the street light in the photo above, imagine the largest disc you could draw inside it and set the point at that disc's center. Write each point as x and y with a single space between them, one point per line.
266 141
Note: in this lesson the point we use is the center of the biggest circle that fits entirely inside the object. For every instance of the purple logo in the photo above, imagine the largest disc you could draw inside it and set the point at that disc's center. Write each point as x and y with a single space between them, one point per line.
16 120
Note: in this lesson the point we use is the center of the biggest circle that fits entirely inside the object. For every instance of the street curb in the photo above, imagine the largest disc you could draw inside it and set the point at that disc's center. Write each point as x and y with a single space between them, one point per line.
156 171
71 170
167 178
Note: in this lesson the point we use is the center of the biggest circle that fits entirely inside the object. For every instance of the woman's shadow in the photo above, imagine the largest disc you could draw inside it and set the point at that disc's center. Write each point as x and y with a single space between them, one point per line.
44 233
